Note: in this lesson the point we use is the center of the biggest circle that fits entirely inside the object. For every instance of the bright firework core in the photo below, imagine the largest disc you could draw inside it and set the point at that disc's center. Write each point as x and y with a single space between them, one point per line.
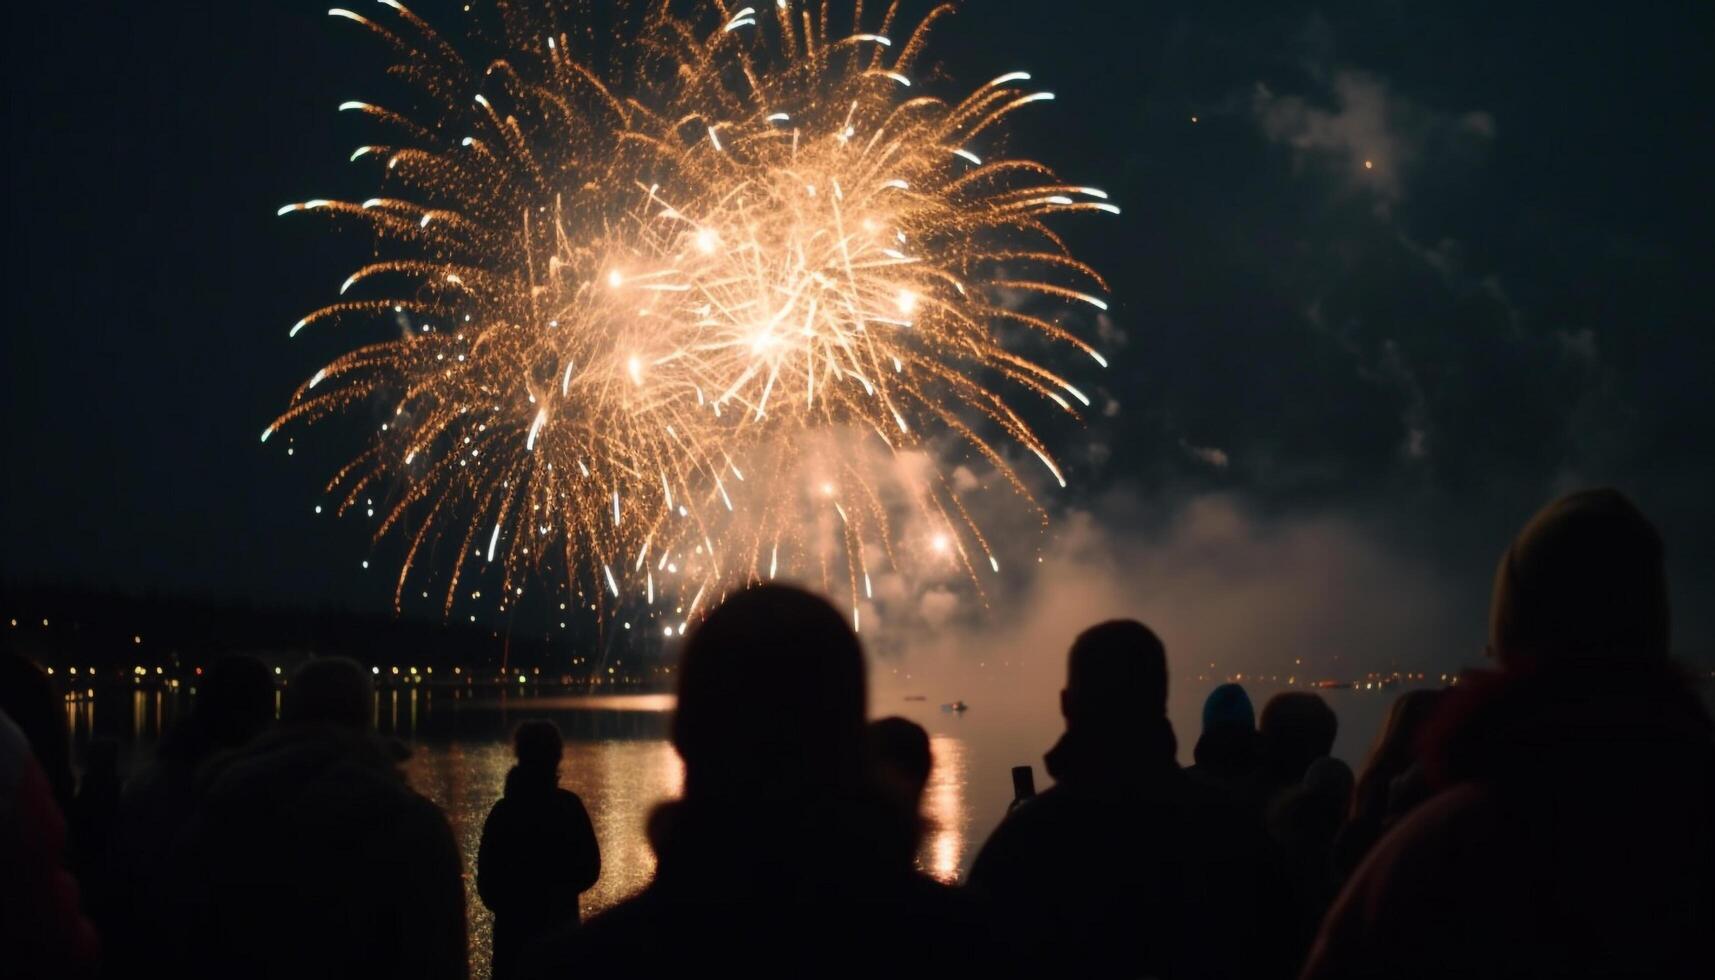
707 315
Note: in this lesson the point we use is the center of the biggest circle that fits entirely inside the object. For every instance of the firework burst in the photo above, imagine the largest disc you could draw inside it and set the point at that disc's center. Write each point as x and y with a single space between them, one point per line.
686 300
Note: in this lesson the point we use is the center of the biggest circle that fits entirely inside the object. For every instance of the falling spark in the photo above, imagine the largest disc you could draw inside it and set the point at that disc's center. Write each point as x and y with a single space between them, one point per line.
536 427
835 236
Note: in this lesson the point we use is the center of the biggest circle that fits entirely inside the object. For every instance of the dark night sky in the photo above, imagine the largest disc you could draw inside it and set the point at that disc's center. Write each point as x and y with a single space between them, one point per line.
1506 305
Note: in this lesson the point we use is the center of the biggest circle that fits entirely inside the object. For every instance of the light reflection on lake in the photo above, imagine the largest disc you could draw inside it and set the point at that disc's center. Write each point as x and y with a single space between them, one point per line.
620 780
618 759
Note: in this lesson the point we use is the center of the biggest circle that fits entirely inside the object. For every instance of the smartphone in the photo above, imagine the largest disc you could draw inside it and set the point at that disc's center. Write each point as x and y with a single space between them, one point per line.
1023 783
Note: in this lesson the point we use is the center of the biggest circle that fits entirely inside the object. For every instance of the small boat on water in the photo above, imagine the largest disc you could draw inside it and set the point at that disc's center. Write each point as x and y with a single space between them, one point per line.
955 707
915 697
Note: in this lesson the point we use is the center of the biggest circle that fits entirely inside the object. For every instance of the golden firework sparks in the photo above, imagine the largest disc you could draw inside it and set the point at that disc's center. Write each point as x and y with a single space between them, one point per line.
681 300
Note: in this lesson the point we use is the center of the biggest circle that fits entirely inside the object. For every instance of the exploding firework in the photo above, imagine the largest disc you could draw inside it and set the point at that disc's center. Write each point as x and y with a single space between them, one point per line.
692 298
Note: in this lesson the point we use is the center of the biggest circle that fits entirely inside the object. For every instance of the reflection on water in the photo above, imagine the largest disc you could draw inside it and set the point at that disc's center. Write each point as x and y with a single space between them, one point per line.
619 782
944 808
618 759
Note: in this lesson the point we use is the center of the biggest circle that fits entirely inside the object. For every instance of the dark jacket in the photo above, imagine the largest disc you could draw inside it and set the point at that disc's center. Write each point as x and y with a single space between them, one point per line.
1127 867
42 931
1230 759
827 889
308 856
1573 835
538 854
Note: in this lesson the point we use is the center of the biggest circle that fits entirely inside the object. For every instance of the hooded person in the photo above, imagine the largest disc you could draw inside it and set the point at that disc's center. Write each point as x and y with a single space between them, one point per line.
538 851
1304 821
1391 782
308 855
782 857
1572 831
1126 866
1228 754
234 703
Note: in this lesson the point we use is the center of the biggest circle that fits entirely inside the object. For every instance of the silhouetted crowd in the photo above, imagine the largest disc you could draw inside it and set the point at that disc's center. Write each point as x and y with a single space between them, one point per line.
1553 816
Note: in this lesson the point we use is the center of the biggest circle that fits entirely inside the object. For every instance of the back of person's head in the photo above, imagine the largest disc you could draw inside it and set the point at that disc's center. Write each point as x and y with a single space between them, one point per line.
1395 750
1228 707
1311 811
771 698
538 745
899 752
1584 581
1299 728
235 700
331 690
1116 674
1329 779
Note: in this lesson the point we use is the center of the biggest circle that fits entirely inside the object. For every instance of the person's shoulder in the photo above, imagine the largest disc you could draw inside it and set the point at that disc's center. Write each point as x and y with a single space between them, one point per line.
423 811
638 911
1467 809
612 941
1181 796
636 931
1046 807
1428 896
568 799
1457 828
1025 837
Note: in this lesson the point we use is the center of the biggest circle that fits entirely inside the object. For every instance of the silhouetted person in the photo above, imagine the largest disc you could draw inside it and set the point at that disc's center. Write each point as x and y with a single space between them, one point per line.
308 856
781 858
1297 728
1573 834
91 822
1126 866
42 932
1228 755
29 698
900 757
233 703
1392 781
538 851
1304 821
97 801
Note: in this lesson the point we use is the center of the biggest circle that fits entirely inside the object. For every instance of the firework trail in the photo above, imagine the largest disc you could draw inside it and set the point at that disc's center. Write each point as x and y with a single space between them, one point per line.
676 291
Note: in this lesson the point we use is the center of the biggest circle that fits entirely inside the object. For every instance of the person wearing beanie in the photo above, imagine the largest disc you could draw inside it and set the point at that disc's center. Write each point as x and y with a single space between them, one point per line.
1229 753
1228 706
1572 828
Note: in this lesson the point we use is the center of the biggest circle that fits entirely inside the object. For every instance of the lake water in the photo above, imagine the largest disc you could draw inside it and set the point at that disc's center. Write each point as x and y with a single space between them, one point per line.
619 761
